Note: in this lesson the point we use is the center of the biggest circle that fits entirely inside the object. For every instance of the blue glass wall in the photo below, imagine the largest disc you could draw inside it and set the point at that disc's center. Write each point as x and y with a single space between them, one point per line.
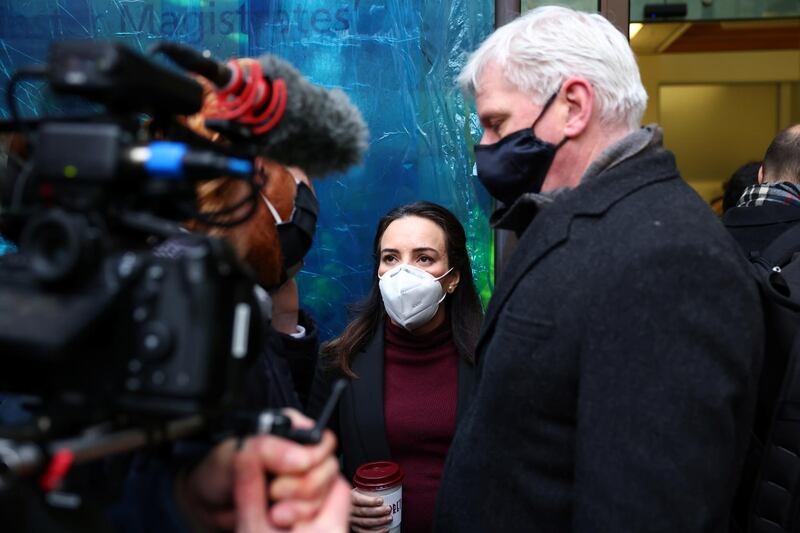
397 60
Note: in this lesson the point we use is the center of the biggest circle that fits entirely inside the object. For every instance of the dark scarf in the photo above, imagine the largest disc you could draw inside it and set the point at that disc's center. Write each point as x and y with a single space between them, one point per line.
784 192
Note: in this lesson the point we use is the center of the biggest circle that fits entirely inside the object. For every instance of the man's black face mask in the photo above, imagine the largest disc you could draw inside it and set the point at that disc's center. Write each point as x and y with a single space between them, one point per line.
516 164
296 235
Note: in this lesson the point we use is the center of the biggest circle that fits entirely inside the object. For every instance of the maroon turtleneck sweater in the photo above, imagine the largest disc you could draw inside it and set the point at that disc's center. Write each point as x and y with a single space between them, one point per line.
420 394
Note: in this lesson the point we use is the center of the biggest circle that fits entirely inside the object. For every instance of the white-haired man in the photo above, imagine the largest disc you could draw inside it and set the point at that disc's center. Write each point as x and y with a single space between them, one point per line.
617 368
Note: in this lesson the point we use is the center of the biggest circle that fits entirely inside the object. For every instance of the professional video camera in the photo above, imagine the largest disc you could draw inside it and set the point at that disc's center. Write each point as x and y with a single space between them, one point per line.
120 328
87 308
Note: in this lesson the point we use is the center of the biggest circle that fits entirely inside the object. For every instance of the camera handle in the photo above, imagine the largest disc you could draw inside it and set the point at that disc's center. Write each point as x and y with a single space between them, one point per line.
22 459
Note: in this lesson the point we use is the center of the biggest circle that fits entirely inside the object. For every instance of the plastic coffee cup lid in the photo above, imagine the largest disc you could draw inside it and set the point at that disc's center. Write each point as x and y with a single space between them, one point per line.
378 475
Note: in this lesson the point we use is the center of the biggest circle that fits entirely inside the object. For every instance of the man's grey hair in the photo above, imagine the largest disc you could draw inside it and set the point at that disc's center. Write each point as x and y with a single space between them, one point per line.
541 49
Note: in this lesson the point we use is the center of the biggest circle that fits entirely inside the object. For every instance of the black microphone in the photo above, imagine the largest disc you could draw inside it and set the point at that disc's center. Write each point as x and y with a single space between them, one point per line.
198 62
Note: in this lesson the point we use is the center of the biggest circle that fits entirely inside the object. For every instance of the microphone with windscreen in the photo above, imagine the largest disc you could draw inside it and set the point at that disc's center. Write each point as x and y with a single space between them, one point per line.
268 103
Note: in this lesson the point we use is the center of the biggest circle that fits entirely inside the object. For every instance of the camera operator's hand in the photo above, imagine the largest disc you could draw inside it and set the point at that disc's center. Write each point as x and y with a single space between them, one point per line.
228 489
310 494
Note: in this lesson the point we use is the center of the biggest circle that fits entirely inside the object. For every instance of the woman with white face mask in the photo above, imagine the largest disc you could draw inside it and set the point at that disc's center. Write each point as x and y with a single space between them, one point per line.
408 355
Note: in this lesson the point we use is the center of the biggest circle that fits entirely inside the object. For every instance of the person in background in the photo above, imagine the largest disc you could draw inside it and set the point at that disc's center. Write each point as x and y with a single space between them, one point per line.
283 371
408 357
770 207
745 176
617 370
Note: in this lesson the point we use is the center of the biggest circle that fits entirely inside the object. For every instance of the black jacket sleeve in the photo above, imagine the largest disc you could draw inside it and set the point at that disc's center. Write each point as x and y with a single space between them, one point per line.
300 355
282 375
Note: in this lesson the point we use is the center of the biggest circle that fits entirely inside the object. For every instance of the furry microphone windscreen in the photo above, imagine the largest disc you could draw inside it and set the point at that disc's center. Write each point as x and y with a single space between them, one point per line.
321 130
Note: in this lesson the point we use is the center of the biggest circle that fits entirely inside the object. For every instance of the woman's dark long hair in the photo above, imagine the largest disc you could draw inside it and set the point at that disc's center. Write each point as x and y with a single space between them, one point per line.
463 305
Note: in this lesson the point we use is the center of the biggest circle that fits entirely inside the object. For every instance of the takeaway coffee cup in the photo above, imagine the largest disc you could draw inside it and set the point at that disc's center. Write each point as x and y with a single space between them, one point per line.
383 479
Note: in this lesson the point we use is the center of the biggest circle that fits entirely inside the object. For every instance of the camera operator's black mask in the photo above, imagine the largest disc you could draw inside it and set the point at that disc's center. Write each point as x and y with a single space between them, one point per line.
518 163
296 234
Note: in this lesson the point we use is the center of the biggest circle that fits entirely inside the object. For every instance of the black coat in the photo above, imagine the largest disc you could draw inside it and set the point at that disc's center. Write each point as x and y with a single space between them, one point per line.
616 368
358 421
755 227
283 373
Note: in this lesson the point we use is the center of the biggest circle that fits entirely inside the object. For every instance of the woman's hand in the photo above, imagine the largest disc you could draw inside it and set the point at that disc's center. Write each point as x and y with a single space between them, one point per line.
369 513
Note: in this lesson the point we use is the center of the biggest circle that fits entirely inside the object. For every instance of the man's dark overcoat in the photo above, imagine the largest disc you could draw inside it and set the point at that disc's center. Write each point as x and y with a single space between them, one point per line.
754 227
616 367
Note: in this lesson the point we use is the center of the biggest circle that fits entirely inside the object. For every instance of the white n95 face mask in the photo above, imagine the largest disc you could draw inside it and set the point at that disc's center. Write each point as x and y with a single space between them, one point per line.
411 296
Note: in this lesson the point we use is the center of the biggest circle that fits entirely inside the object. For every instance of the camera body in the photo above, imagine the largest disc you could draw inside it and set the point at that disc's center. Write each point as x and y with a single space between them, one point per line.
153 334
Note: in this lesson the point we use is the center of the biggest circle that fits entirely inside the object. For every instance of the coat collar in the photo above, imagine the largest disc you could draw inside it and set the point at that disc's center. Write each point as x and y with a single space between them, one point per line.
518 216
552 224
769 213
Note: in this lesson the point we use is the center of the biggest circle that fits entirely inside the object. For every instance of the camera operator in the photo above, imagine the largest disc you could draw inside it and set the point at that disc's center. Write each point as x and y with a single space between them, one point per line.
226 490
140 260
277 380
